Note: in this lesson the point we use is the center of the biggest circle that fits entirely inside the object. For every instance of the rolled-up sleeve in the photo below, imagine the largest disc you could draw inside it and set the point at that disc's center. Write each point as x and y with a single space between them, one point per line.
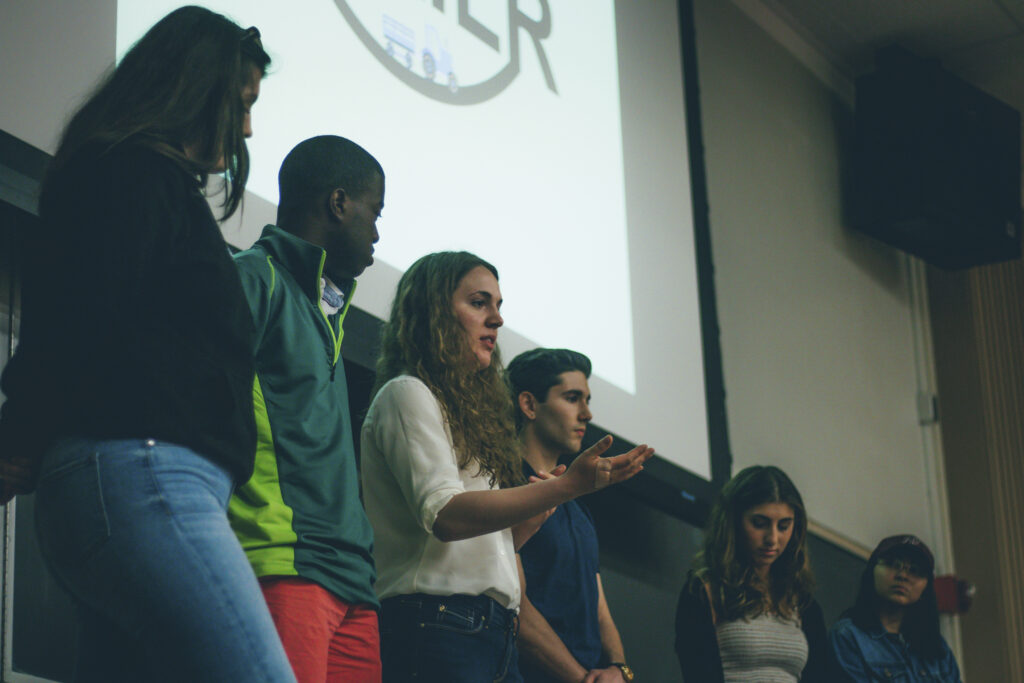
409 432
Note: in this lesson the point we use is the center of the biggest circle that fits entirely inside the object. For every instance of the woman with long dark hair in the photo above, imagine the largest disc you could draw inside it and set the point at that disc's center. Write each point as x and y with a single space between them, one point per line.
129 400
441 473
892 630
746 611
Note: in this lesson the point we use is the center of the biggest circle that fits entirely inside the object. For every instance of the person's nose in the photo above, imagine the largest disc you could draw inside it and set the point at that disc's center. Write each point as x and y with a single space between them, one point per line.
495 320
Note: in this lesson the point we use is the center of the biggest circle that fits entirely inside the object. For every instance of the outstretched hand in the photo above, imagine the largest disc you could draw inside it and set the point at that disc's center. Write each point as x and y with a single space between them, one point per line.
590 472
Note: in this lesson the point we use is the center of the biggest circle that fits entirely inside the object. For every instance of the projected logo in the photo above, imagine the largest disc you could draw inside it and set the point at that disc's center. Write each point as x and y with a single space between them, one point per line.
446 53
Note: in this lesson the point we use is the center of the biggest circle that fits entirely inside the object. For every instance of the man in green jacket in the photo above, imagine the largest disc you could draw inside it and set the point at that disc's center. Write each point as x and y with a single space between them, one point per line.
299 517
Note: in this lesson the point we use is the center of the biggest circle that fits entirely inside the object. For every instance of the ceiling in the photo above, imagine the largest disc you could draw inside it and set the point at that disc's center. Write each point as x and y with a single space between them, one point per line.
982 41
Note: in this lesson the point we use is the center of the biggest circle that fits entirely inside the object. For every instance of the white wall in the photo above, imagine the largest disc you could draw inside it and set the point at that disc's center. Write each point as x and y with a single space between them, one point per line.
816 320
817 335
51 53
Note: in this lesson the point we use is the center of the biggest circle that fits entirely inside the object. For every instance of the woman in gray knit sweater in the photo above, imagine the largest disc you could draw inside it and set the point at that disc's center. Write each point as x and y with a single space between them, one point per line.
746 611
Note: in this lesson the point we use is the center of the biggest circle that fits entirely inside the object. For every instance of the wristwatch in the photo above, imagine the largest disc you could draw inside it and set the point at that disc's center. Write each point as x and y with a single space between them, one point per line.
627 673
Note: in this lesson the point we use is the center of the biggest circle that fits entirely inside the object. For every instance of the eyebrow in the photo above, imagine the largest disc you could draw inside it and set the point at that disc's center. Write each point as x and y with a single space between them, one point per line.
781 519
487 295
574 392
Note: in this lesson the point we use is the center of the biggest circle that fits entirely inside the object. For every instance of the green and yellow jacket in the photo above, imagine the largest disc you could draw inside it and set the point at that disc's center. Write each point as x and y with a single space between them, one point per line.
300 513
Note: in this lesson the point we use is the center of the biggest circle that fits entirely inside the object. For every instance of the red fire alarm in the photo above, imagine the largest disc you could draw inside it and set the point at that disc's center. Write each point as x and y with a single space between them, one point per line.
954 595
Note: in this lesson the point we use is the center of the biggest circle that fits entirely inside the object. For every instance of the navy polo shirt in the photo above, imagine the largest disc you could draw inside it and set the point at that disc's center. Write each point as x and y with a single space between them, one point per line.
560 563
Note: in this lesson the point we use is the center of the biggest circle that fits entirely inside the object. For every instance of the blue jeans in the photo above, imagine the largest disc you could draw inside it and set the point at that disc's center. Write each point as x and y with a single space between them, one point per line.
449 639
137 531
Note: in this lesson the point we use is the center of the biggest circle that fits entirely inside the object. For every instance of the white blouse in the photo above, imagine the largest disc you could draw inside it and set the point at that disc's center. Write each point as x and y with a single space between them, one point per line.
409 473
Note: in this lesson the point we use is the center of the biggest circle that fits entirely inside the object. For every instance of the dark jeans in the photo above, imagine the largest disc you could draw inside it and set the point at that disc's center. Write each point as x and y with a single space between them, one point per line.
449 639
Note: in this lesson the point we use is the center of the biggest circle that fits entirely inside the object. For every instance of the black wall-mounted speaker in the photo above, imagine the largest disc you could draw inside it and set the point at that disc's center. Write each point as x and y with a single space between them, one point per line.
936 164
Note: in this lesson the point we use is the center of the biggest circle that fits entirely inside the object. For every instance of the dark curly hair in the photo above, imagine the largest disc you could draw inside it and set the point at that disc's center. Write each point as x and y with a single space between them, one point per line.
423 338
722 564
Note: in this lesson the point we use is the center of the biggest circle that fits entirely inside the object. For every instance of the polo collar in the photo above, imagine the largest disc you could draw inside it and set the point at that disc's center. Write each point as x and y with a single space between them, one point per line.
304 260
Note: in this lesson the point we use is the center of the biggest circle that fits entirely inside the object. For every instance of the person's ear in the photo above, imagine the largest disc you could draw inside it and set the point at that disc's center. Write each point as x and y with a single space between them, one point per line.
336 203
527 405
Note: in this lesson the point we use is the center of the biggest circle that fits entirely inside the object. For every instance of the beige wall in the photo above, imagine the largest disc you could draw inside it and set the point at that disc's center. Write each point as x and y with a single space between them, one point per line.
816 320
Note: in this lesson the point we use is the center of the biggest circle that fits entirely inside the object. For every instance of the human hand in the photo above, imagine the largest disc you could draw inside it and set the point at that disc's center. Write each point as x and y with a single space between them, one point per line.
542 476
610 675
590 472
15 477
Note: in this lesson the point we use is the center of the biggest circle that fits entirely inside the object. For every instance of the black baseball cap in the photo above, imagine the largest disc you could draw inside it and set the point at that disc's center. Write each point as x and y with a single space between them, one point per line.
905 543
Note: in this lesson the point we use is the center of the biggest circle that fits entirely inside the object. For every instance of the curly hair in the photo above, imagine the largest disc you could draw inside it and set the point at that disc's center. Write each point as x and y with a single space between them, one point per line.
180 84
723 566
423 338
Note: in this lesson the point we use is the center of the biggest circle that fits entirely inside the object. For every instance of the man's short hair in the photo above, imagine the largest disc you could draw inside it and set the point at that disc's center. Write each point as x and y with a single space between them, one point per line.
538 370
319 165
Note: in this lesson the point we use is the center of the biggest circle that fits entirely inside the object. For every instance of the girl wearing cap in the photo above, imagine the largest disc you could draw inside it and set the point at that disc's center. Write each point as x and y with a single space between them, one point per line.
746 611
892 631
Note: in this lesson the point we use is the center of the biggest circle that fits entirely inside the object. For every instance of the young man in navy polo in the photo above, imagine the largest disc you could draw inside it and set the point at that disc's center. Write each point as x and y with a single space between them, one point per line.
566 630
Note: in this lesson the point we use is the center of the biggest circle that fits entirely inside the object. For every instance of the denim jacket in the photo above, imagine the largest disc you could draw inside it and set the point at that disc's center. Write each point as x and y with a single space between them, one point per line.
864 656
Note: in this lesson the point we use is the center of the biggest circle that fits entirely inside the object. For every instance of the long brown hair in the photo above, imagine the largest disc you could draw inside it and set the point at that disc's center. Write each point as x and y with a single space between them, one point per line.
180 84
423 338
722 564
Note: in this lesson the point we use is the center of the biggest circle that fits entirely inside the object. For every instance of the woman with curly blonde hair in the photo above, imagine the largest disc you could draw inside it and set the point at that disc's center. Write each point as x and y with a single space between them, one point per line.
440 471
746 611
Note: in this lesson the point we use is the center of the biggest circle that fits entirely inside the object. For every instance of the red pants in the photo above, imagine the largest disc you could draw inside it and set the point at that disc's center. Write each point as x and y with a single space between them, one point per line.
327 641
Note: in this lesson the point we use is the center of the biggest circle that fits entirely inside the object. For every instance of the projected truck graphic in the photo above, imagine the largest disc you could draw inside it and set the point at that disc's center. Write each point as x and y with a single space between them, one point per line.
399 40
435 59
